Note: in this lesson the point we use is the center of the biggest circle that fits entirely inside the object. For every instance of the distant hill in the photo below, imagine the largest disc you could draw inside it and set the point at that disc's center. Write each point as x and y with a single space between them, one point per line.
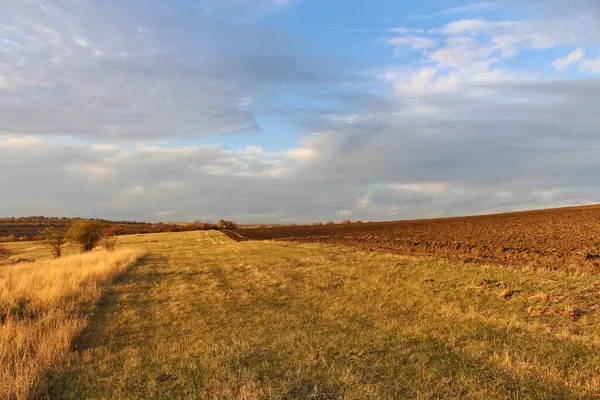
29 228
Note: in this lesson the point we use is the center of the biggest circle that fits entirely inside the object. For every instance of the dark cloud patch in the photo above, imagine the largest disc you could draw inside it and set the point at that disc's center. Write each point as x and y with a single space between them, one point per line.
121 71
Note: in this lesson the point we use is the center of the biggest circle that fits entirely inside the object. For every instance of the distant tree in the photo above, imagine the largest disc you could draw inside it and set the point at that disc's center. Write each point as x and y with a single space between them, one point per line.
223 224
203 226
346 222
329 223
318 224
55 240
85 233
109 239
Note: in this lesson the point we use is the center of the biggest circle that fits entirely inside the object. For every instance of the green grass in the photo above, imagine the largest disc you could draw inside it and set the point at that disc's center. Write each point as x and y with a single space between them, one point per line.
204 317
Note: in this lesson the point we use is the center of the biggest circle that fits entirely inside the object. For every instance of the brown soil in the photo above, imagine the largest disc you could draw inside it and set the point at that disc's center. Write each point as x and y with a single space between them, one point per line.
554 238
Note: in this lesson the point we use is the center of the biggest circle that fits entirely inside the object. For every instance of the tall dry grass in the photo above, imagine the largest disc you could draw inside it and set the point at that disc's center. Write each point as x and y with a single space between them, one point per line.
42 308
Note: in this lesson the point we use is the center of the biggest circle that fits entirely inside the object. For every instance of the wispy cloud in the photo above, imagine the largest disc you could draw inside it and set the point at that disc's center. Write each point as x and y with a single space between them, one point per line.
479 7
574 57
412 42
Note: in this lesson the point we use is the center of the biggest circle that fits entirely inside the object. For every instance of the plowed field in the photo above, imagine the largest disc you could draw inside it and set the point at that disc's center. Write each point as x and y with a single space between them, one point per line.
554 238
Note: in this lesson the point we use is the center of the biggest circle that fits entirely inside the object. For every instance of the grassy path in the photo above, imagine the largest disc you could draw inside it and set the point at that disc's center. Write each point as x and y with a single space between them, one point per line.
204 317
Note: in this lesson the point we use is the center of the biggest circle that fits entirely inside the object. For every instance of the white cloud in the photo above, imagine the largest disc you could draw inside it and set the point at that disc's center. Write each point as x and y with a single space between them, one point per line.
472 51
95 169
572 58
413 42
478 7
468 26
464 52
21 142
590 65
510 37
577 57
421 187
304 155
82 42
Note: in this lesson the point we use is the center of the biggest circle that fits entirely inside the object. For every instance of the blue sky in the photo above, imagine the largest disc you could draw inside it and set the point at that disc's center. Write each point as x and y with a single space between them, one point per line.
297 110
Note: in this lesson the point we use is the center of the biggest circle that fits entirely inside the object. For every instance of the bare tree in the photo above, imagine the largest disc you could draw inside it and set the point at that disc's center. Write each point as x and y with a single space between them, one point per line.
55 240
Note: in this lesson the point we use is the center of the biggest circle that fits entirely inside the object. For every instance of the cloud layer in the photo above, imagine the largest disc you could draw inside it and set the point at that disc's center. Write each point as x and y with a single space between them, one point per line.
119 110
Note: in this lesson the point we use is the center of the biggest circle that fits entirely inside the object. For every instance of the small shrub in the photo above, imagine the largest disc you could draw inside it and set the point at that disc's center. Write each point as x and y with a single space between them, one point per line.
318 224
55 240
85 233
9 238
109 239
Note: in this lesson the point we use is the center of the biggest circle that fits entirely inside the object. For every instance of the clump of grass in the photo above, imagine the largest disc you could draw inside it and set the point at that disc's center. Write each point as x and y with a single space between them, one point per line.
506 294
41 306
539 298
4 253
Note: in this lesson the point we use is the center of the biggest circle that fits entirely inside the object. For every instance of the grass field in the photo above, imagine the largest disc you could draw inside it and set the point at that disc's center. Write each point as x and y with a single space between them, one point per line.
205 317
43 305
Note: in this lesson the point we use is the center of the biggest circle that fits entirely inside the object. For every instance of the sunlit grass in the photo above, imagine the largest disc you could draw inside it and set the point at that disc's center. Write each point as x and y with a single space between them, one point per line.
204 317
42 307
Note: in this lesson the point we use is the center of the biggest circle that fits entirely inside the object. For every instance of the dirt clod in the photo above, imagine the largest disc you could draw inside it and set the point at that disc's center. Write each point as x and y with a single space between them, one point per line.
507 294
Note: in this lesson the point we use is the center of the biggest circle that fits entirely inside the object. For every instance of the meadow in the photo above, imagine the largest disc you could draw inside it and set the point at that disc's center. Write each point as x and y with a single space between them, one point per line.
202 316
43 305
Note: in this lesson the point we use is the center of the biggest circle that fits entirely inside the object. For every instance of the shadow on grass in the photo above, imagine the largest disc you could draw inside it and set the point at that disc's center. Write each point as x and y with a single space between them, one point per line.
105 312
401 367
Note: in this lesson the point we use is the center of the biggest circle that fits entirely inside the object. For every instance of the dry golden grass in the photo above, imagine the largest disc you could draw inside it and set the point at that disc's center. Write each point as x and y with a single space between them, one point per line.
43 306
203 317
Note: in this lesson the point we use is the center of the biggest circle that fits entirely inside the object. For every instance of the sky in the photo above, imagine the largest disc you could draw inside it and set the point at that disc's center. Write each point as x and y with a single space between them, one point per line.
266 111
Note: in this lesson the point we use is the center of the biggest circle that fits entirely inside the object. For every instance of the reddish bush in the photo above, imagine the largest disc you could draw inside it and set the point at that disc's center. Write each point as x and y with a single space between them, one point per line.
109 239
